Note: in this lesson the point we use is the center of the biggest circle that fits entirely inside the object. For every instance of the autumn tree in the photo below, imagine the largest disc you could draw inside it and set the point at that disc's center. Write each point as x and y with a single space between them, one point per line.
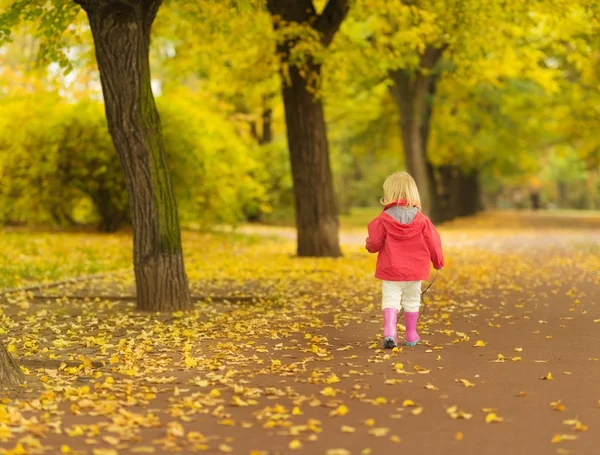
303 34
121 32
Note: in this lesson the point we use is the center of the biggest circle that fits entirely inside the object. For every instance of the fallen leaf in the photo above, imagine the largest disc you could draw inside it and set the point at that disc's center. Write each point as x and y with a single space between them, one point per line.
522 394
492 417
455 413
338 452
225 448
395 439
479 344
379 432
417 411
557 406
347 429
408 403
459 436
340 411
104 452
370 422
466 382
431 387
295 445
563 437
577 425
328 392
143 449
548 377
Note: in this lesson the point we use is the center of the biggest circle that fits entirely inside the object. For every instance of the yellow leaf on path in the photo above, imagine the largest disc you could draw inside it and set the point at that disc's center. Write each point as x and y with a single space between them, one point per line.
143 449
347 429
370 422
380 400
190 363
455 413
340 411
65 449
548 377
492 417
395 439
459 436
111 440
408 403
345 348
466 382
237 401
214 393
295 445
297 411
522 394
105 452
557 406
518 349
479 344
417 411
379 432
431 387
332 379
225 448
338 452
328 392
366 452
563 437
577 425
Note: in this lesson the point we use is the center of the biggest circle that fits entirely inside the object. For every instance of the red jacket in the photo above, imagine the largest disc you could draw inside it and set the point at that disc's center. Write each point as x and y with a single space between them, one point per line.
405 250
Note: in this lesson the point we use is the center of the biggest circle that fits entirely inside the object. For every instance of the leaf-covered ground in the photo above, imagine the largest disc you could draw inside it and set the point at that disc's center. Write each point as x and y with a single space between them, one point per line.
282 355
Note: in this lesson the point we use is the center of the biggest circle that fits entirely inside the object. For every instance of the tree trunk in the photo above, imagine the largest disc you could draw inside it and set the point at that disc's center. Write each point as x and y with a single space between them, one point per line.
414 93
470 193
121 32
449 183
316 209
10 372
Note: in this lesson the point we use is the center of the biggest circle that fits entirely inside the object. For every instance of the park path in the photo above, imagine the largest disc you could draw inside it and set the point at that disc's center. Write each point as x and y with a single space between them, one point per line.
508 363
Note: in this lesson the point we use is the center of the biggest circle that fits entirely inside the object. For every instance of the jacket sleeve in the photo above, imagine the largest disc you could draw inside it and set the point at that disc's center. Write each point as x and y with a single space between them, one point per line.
434 244
376 236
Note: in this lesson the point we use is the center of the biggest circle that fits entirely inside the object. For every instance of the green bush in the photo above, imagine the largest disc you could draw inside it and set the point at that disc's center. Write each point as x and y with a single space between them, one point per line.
58 165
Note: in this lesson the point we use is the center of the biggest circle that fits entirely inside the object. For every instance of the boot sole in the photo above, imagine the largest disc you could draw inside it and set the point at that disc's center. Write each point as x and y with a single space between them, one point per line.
410 343
389 343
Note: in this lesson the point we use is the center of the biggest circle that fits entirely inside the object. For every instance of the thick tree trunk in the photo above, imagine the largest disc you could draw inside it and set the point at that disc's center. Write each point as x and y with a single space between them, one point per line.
316 209
10 372
410 93
449 183
121 32
470 193
414 93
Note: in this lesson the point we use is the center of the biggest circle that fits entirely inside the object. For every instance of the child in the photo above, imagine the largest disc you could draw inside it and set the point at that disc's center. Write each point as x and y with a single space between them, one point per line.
406 241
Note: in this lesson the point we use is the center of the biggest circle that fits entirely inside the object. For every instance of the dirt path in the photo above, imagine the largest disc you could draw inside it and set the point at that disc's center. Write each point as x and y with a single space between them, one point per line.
511 335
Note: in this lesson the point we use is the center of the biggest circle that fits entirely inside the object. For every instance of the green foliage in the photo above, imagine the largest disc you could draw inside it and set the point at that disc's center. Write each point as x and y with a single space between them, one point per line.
58 164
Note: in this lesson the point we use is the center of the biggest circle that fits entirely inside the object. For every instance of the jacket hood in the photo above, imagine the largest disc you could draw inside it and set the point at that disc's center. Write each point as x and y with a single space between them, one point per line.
400 230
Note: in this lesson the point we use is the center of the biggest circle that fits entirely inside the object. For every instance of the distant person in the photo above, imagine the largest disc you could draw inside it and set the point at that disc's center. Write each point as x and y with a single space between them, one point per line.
406 242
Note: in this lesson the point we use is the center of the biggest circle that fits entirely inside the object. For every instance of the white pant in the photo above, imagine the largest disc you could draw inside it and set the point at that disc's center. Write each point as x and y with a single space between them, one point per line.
401 294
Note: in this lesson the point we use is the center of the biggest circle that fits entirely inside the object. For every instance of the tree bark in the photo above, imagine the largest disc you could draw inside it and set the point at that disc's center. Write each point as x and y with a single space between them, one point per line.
470 193
10 372
316 209
121 31
414 93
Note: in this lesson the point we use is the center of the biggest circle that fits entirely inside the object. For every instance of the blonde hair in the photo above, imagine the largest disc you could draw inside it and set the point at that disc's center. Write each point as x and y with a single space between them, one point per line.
400 185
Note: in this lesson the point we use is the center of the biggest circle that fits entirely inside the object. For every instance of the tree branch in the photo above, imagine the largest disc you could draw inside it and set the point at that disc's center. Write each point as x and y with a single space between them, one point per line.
329 21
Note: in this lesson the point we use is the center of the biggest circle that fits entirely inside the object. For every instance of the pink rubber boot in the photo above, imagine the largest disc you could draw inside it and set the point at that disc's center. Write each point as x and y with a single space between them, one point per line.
410 320
390 319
